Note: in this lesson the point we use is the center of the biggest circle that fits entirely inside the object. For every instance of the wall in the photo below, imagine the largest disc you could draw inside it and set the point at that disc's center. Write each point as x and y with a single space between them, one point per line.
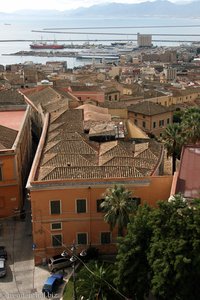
9 189
150 190
149 121
122 113
15 164
87 95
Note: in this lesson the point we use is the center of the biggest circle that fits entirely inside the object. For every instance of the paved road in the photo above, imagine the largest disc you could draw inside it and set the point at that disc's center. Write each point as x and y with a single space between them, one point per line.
23 279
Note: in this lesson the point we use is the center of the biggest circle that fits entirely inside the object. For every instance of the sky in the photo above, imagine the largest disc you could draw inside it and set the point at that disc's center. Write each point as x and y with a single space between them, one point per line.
61 5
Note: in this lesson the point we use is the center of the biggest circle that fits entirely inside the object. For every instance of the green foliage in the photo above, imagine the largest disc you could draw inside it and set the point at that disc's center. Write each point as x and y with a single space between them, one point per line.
94 284
174 254
177 116
161 252
173 140
117 206
185 131
132 268
191 125
68 292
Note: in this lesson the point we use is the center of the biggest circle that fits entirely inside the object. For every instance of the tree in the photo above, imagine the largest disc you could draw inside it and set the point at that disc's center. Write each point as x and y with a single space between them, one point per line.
160 254
94 282
191 125
173 140
174 252
132 267
117 206
177 115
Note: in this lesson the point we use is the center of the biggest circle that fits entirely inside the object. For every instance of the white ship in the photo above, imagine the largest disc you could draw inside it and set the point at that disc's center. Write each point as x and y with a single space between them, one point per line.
98 54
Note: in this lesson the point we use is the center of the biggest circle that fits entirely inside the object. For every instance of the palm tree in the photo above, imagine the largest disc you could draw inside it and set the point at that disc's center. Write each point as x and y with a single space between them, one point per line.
94 282
173 140
117 206
191 125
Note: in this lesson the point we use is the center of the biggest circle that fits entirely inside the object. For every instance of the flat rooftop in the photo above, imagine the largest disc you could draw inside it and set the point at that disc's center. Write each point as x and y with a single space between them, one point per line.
12 119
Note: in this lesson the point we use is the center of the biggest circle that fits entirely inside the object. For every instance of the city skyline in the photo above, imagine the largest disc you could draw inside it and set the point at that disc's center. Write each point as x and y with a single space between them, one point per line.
61 5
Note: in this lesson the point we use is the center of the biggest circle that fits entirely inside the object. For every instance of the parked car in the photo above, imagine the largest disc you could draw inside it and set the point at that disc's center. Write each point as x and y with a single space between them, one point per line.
58 262
2 267
3 252
51 284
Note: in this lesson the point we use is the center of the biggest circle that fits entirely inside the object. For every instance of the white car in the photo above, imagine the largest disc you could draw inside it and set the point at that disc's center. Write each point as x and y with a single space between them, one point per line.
2 267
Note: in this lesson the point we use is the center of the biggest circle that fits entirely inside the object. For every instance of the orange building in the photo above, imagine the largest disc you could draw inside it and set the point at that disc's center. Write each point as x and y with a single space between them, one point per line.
151 117
15 152
70 175
87 94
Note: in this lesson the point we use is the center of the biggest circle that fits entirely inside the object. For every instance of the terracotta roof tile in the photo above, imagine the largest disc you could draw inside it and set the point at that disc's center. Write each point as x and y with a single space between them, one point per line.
7 137
69 154
11 97
88 173
147 108
44 96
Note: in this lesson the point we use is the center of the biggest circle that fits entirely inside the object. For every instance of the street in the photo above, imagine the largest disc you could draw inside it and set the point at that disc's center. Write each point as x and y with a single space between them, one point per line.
23 280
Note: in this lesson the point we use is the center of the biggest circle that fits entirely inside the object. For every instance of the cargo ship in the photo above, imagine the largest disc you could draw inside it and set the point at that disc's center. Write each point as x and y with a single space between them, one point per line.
45 45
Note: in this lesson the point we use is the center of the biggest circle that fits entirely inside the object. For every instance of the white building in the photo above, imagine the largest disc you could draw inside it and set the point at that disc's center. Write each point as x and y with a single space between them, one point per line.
170 74
144 40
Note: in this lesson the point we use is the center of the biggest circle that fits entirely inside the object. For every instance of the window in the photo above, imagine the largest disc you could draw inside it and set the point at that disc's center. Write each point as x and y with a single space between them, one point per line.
56 226
82 238
161 123
81 205
1 174
56 240
168 120
99 201
115 97
154 124
105 238
55 207
135 114
135 121
109 98
2 201
144 124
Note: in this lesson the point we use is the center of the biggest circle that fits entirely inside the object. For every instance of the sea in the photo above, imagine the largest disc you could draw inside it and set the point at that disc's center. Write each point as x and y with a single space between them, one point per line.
16 34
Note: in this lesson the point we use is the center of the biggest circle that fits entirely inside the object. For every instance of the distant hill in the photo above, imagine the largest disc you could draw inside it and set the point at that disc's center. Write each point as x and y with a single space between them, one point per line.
157 8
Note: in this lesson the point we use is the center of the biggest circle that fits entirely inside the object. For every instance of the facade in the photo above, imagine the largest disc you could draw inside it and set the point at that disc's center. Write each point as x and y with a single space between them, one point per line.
112 94
88 94
170 74
150 117
15 157
144 40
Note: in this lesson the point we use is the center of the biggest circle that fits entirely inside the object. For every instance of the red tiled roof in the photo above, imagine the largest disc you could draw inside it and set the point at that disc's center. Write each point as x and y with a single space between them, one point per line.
188 182
7 137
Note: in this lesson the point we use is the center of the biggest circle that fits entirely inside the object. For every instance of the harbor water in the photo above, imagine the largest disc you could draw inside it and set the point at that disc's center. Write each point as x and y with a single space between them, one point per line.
16 34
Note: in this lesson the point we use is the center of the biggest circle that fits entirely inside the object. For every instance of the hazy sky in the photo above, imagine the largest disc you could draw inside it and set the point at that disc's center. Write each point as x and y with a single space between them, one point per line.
13 5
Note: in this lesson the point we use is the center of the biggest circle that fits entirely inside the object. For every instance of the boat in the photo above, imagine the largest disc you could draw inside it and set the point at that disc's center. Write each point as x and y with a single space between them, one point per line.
45 45
96 54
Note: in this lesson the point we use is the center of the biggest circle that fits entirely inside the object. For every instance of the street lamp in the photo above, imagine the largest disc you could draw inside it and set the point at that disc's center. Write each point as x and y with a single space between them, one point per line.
73 259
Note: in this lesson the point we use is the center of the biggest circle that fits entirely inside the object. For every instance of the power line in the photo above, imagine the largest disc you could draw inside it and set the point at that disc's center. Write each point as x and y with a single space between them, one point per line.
68 249
89 270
